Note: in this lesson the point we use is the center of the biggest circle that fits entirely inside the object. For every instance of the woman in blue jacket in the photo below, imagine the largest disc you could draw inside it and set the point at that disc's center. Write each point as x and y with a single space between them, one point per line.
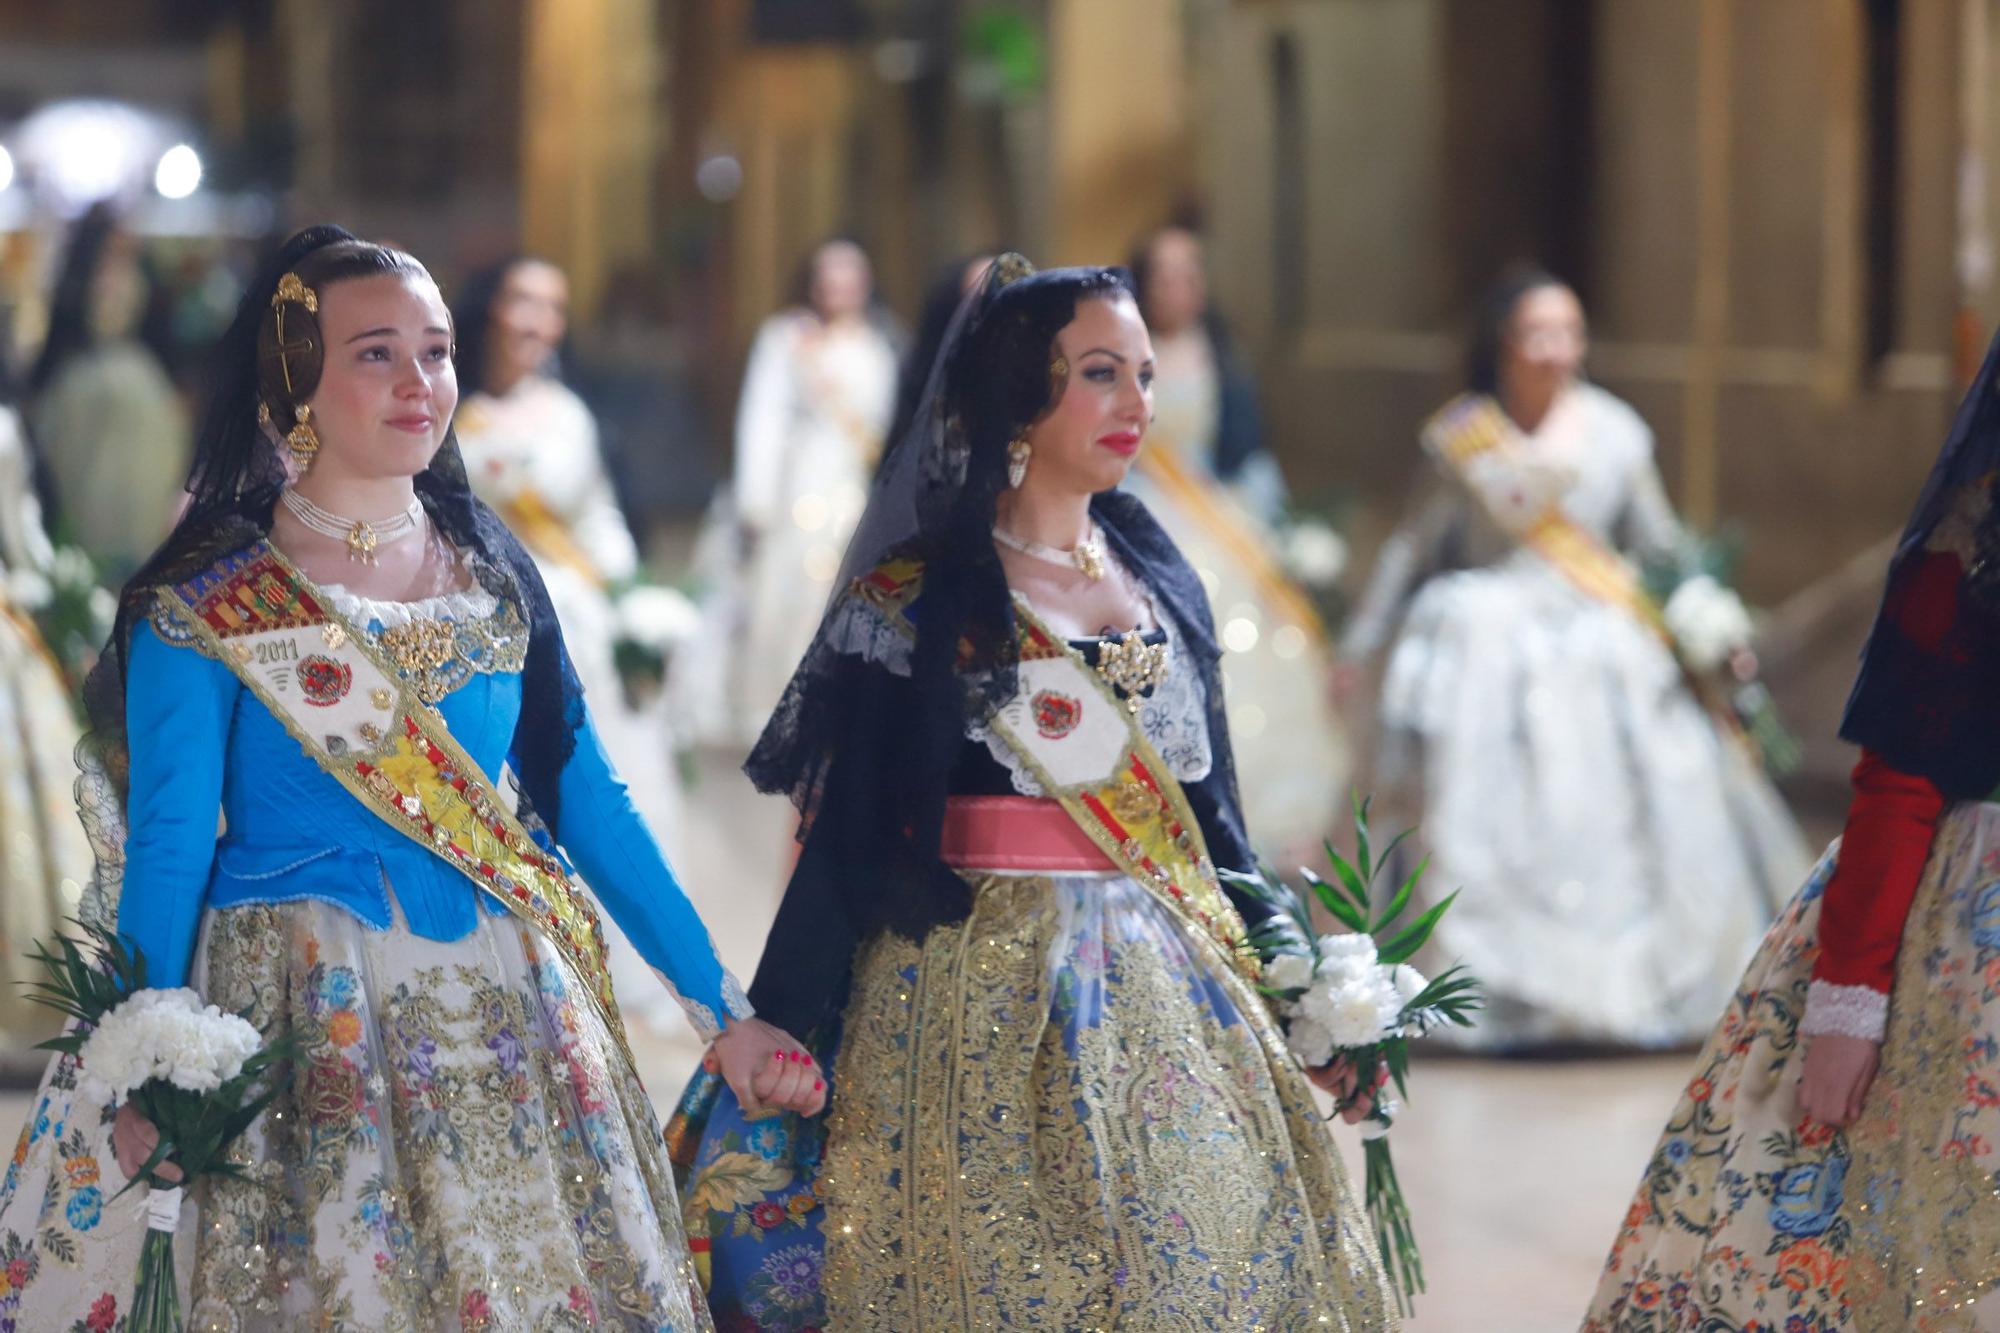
336 651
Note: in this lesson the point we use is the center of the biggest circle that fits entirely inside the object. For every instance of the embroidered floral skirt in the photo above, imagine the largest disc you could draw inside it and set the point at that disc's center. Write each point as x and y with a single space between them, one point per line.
1750 1216
460 1150
1061 1114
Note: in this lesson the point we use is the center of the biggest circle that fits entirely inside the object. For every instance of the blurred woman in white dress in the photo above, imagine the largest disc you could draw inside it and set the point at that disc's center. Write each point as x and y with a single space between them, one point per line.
45 859
818 394
531 452
109 422
1217 491
1618 848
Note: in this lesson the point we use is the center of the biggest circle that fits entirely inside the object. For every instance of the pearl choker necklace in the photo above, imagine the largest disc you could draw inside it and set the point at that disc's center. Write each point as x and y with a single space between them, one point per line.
362 537
1087 558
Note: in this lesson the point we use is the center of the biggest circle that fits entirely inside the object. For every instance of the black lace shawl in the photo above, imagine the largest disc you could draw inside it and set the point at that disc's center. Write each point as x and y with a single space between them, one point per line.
1928 695
865 867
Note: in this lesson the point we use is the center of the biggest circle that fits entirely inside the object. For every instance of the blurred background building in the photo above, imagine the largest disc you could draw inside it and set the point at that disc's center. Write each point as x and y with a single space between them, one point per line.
1778 212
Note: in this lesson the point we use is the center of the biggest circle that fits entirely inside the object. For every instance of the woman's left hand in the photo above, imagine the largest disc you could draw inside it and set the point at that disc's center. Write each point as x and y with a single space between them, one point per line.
766 1069
1338 1078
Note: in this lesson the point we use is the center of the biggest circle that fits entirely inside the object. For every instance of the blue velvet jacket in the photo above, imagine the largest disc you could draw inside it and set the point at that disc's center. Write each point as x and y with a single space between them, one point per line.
201 741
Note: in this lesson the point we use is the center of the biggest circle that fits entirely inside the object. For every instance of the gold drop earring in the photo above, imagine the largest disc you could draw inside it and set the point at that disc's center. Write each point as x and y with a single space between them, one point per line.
1018 453
303 440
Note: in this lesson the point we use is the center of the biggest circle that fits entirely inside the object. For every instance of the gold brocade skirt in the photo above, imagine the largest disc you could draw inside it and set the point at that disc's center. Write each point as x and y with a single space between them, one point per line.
1066 1113
460 1149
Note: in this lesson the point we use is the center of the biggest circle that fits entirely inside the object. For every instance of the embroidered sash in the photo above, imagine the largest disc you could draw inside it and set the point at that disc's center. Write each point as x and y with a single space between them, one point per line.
531 519
361 721
1470 435
1070 729
1206 504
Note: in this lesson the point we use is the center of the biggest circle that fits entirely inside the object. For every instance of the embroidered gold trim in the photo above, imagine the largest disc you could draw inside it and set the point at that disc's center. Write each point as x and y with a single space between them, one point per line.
418 779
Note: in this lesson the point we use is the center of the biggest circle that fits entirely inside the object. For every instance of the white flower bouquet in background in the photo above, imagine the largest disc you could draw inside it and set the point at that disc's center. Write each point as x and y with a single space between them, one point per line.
72 612
1314 553
652 622
1708 621
1711 631
199 1075
1352 996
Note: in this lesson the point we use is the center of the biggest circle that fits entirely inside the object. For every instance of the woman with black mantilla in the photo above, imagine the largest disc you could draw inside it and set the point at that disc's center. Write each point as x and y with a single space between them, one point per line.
1059 1099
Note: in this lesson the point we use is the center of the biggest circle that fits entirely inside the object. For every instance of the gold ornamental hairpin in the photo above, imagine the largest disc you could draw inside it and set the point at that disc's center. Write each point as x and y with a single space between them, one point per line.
293 288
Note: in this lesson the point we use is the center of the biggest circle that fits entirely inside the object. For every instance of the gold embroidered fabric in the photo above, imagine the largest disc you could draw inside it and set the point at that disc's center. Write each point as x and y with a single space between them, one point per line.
1061 1115
436 656
459 1148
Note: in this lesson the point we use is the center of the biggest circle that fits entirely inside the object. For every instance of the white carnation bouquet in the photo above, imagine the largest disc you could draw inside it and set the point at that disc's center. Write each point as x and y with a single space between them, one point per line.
201 1076
1352 996
653 621
1711 631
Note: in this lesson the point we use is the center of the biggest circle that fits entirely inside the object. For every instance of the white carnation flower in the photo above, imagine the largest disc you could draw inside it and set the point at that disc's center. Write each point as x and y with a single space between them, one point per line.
1310 1042
1708 622
72 567
29 589
167 1034
103 608
1345 958
1409 983
1289 971
1358 1011
1348 944
657 618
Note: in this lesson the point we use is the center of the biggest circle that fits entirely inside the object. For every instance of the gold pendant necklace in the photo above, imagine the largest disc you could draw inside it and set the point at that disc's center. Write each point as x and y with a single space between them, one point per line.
1087 558
363 538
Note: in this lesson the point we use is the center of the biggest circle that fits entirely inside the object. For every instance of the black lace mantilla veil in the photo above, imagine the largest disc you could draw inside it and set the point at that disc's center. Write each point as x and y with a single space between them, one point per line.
233 487
865 748
1927 698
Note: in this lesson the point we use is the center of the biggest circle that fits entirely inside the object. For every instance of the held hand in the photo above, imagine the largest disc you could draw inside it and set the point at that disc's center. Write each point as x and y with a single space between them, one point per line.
133 1139
766 1069
1338 1078
1834 1082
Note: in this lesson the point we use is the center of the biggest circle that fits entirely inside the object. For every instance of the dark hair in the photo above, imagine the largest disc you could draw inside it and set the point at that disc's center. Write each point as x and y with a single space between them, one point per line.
69 332
800 291
234 485
1141 264
947 473
866 751
1489 326
472 321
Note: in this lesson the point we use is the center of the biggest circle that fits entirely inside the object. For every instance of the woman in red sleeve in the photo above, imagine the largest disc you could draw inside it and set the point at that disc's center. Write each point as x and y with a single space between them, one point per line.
1835 1162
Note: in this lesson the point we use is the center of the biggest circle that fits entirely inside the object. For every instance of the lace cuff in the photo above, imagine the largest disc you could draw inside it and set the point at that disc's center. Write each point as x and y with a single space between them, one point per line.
1850 1011
735 1004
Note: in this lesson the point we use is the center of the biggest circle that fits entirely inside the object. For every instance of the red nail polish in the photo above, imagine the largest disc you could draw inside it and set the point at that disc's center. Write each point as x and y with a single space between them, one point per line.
818 1084
777 1055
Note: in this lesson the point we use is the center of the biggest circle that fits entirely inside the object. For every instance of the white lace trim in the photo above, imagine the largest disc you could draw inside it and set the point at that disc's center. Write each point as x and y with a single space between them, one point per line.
707 1026
474 603
1849 1011
858 628
1174 718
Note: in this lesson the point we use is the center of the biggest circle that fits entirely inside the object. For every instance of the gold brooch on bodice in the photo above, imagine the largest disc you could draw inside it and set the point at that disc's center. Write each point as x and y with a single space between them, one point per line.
1133 666
421 645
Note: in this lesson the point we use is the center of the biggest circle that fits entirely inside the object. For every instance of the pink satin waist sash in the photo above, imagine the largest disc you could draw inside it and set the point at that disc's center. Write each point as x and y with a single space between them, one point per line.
1022 834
